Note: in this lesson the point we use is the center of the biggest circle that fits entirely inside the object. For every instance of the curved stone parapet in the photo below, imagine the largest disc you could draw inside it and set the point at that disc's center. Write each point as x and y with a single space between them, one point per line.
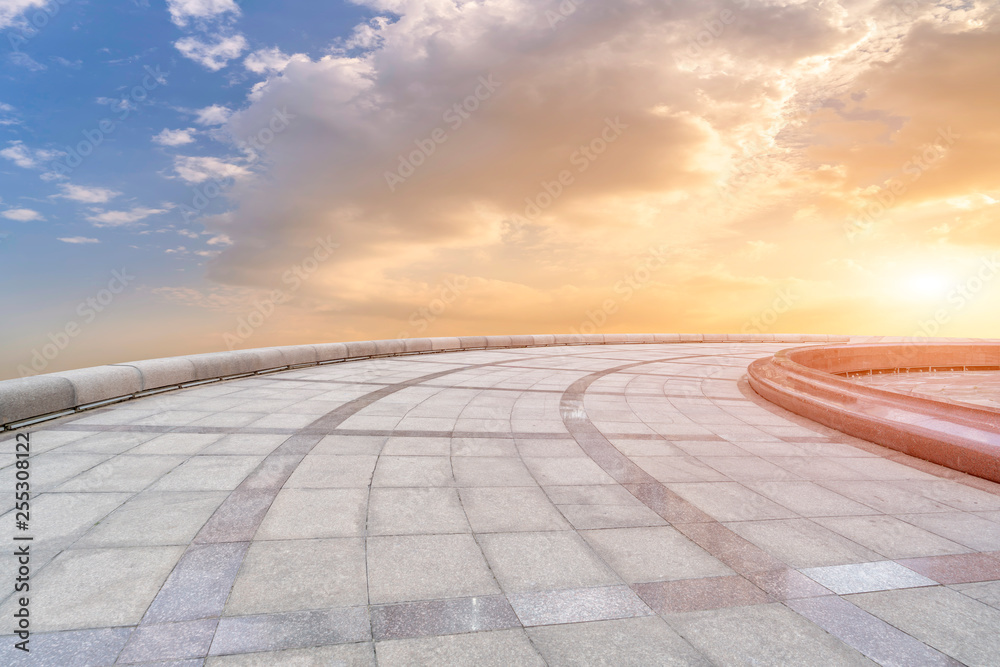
813 382
32 399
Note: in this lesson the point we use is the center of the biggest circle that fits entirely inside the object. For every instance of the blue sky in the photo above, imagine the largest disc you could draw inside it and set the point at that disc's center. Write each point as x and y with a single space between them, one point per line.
471 167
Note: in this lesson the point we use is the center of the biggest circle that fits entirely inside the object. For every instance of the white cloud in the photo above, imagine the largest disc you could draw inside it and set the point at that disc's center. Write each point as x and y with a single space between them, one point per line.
86 195
201 169
10 10
22 214
270 61
175 137
212 55
102 218
221 239
181 11
25 157
213 115
77 239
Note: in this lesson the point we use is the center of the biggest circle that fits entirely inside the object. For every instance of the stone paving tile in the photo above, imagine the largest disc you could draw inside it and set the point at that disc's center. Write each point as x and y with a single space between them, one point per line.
50 469
307 513
678 469
350 445
155 518
869 635
403 511
632 641
786 584
885 497
586 517
987 592
396 446
177 444
482 649
491 471
670 597
94 588
296 575
72 648
802 543
729 501
169 641
483 447
344 655
108 443
557 471
509 509
413 471
524 562
965 528
809 499
766 634
300 629
317 471
61 518
244 445
442 617
891 537
238 517
199 584
866 577
653 554
424 567
577 605
208 473
729 548
959 569
946 620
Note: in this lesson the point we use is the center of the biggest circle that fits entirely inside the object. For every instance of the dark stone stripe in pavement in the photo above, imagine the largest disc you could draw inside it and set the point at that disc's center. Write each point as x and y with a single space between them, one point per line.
442 617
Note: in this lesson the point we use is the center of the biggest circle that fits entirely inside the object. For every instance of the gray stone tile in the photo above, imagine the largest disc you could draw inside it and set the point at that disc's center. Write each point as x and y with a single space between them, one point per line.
344 655
802 543
177 444
729 501
108 443
307 513
887 498
169 641
509 509
483 447
558 471
208 473
891 537
60 518
155 518
871 636
548 448
95 588
809 499
524 562
595 494
413 471
244 444
74 648
51 469
491 471
442 617
406 446
122 473
326 472
631 641
653 554
952 494
426 567
578 605
867 577
403 511
766 634
297 575
237 518
987 592
950 622
356 445
962 528
292 630
584 517
199 584
481 649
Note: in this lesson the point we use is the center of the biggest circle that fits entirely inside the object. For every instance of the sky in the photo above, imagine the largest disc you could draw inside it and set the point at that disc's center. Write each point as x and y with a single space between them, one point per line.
188 176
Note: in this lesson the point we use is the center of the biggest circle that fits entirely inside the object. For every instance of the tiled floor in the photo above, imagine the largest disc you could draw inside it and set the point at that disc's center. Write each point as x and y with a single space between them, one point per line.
616 505
976 387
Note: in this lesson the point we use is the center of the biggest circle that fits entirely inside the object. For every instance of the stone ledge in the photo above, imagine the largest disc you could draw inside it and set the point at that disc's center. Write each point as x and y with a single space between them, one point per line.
811 383
36 398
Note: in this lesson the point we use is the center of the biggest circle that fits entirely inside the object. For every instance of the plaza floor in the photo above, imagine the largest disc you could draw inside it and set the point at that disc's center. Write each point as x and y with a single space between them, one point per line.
584 505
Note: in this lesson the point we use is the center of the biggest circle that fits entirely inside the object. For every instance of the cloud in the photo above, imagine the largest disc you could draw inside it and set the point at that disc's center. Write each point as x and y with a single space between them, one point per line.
87 195
175 137
77 240
11 10
22 214
26 157
212 55
270 61
181 11
215 114
101 218
201 169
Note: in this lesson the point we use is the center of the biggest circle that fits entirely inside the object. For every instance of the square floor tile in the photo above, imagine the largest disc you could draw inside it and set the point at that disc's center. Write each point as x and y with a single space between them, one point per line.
891 537
544 561
653 554
672 597
802 543
309 513
509 509
501 648
403 511
866 577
